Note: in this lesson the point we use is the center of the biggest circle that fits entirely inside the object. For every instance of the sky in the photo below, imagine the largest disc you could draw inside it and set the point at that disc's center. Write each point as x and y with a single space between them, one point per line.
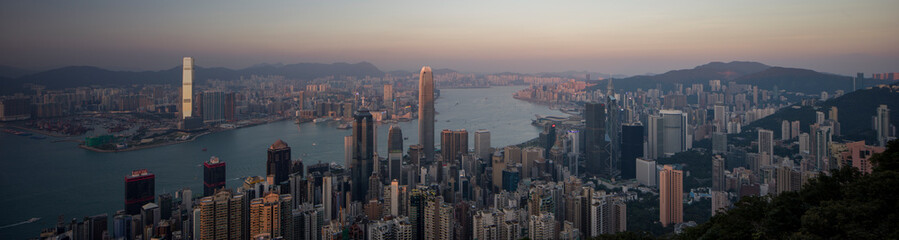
620 37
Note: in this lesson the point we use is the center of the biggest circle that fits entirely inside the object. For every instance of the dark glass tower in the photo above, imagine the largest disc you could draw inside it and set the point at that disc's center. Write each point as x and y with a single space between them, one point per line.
140 189
278 163
362 163
631 149
595 138
213 176
395 139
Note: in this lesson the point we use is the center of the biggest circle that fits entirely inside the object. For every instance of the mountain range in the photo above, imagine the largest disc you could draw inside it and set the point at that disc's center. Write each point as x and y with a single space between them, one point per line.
82 76
12 80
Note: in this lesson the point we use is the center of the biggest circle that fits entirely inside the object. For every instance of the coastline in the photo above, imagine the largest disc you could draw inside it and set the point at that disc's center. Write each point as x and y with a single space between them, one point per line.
149 146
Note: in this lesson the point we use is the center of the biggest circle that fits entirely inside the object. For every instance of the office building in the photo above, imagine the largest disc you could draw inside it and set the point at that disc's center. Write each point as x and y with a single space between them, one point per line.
631 149
453 145
140 189
668 134
362 164
278 163
671 196
482 144
598 157
395 139
646 172
426 113
213 176
187 93
719 142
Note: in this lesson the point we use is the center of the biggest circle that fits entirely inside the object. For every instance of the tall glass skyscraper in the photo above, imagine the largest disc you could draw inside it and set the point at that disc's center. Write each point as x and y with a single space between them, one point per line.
363 154
426 112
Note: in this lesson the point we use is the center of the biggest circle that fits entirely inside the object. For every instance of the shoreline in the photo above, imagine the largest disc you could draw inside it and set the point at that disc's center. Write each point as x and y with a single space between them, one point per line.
142 147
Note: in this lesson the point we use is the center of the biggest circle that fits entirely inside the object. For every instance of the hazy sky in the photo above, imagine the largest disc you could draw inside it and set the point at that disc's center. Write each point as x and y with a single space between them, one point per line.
626 37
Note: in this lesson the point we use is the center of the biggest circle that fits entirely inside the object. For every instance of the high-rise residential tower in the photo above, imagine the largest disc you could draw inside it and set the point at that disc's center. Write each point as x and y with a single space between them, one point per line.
213 176
278 163
187 91
671 196
882 125
766 146
426 112
363 154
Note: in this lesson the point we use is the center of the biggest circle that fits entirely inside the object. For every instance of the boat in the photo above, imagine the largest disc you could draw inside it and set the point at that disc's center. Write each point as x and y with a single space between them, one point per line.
204 149
344 126
321 120
38 137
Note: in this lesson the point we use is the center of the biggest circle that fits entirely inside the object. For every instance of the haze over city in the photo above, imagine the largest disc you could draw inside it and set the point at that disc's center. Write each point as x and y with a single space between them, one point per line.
459 120
617 37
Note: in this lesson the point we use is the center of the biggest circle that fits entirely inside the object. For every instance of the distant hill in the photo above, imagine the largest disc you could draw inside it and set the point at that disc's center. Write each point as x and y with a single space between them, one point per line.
854 112
13 72
700 74
797 80
81 76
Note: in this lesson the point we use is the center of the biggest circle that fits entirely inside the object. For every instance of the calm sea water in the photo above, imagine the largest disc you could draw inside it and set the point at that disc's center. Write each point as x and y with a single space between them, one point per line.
39 178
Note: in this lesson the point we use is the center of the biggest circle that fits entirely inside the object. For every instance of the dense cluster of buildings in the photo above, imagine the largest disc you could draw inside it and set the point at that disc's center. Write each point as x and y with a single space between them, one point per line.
574 182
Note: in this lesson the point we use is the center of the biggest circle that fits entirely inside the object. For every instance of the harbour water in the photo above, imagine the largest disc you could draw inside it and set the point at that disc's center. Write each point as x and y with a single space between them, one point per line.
40 178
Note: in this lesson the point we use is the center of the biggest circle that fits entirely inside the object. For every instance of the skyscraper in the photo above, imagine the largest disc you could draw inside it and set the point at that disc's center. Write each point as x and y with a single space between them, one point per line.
671 196
394 152
453 144
187 81
794 129
213 176
395 139
719 142
426 112
140 189
221 216
482 144
631 149
278 163
766 146
718 178
362 163
668 134
785 130
266 214
822 147
882 125
597 146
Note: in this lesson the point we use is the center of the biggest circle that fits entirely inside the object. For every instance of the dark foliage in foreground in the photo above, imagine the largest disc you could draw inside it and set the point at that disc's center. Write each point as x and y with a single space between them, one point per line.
846 205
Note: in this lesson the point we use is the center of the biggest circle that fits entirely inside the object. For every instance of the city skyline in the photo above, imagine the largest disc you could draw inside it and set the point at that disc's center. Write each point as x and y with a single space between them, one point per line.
616 38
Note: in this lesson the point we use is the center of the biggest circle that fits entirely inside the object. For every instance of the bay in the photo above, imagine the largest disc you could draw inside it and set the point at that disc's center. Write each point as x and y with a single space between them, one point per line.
43 179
